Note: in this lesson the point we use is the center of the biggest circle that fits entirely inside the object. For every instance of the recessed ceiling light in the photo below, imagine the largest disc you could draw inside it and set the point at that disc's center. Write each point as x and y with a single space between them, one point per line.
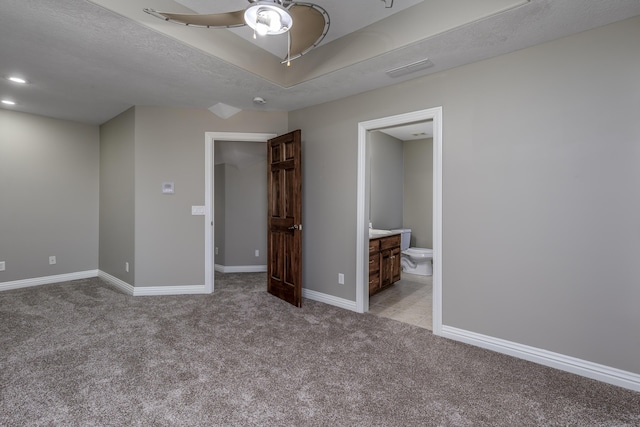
16 79
6 101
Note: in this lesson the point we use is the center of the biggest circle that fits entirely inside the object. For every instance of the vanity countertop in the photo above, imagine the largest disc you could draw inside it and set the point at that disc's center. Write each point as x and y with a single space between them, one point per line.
378 234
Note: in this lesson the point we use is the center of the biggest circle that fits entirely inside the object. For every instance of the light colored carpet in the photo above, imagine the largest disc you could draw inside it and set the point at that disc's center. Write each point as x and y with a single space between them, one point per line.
81 353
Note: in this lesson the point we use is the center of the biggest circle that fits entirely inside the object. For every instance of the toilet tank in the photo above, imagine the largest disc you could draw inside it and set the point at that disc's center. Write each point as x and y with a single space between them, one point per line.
405 237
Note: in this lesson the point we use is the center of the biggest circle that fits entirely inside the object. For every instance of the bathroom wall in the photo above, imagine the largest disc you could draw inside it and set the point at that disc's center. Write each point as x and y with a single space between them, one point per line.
418 191
386 197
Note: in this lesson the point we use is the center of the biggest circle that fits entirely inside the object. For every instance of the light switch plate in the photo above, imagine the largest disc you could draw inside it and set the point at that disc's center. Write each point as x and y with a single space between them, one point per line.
197 210
2 265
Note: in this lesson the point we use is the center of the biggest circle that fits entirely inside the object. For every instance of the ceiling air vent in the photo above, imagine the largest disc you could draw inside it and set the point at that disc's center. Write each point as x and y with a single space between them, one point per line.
410 68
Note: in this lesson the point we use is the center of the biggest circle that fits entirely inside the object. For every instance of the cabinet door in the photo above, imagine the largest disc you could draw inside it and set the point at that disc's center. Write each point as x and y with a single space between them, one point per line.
374 282
396 266
385 267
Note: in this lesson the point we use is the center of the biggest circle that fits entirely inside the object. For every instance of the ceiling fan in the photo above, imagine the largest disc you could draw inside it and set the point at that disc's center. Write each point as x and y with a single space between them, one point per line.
306 23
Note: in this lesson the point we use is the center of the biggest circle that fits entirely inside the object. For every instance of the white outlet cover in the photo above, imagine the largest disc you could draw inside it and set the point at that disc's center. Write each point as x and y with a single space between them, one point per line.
2 266
197 210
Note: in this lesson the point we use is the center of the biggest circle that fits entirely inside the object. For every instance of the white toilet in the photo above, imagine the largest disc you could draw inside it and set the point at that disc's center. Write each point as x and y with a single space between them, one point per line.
414 260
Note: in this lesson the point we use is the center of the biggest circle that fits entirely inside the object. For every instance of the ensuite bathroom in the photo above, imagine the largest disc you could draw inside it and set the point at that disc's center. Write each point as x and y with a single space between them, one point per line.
401 223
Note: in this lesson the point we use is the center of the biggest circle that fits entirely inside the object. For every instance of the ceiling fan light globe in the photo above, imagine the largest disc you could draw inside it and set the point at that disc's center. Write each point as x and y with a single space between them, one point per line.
262 29
267 14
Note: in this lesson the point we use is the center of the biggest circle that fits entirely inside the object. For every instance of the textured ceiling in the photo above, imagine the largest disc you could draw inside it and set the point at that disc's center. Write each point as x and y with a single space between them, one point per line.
88 63
359 14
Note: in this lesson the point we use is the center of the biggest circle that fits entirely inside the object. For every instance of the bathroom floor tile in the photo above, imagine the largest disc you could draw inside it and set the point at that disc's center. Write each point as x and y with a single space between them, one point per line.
408 300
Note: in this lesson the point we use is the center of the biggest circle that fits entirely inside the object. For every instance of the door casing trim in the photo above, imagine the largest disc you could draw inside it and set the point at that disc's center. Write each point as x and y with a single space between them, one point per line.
362 235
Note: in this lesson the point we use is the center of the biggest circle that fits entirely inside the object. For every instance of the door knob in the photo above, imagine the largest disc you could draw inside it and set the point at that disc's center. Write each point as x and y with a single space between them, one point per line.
296 227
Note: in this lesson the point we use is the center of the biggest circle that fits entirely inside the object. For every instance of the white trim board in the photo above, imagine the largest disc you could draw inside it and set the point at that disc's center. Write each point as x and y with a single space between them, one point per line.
559 361
151 290
120 284
240 268
209 162
47 280
329 299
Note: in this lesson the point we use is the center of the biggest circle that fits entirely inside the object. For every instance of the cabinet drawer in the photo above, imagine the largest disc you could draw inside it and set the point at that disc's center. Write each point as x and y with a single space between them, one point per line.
374 263
374 282
374 245
389 242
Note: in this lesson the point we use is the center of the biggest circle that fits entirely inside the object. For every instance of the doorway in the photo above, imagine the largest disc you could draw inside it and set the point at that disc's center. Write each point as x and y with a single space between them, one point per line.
362 291
210 138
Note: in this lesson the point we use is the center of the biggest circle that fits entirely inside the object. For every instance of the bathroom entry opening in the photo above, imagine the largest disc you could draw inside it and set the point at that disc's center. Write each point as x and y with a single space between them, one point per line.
408 123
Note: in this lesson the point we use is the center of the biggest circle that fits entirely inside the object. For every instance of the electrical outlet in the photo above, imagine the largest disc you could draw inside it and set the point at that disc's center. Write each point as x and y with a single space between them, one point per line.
126 267
340 279
257 252
52 260
216 250
2 266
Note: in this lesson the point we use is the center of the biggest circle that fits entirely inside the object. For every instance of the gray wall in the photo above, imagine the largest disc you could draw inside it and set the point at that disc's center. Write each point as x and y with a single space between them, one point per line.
386 198
241 203
418 191
541 176
246 213
170 146
117 196
219 214
48 196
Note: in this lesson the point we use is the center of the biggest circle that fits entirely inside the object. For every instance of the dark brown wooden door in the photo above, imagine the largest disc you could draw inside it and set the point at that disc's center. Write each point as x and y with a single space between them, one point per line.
284 235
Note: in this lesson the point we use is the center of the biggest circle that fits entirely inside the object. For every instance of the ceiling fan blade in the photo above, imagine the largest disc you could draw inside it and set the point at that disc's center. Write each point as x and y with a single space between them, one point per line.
215 20
310 25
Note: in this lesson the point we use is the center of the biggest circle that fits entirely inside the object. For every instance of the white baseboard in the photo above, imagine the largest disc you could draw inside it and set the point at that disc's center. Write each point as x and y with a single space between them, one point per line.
37 281
329 299
581 367
169 290
120 284
240 268
151 290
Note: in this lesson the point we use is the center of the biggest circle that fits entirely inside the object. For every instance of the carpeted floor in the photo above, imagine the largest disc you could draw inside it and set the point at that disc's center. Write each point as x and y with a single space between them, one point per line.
82 353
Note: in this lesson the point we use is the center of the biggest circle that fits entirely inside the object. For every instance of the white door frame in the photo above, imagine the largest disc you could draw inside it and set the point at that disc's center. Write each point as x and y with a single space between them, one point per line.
362 235
209 188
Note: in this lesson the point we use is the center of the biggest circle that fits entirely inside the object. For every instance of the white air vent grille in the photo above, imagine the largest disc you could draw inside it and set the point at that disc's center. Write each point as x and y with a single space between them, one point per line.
410 68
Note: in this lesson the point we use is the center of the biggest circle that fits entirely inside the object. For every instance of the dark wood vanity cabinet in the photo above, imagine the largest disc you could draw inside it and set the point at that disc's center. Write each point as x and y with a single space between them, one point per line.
384 262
